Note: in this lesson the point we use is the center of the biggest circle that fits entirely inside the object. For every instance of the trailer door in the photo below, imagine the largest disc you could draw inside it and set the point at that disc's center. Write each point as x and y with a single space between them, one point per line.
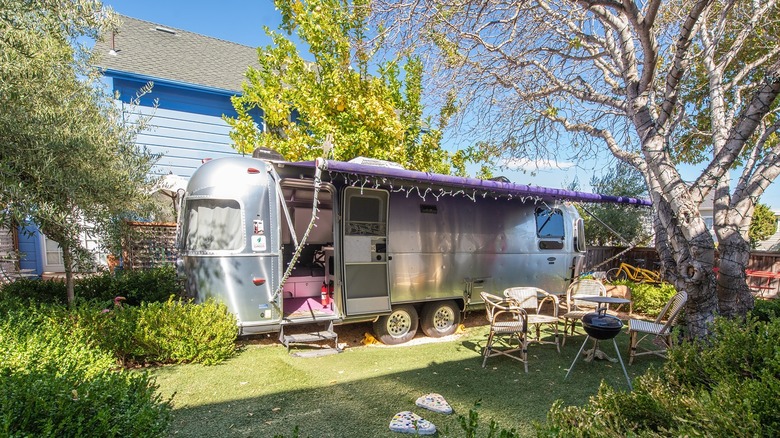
365 251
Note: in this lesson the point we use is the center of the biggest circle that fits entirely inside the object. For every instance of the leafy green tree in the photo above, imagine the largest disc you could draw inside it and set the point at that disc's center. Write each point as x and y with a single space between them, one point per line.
68 163
303 102
604 221
763 225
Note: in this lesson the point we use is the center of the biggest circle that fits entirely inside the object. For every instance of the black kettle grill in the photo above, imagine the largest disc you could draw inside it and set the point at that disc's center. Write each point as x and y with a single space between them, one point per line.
601 326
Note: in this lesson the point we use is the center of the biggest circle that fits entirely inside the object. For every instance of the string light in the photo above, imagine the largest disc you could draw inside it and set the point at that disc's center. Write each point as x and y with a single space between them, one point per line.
424 190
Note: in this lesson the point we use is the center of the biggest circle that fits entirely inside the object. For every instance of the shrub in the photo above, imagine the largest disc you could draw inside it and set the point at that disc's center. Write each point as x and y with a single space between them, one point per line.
137 286
766 310
55 381
727 385
34 291
108 404
173 331
649 299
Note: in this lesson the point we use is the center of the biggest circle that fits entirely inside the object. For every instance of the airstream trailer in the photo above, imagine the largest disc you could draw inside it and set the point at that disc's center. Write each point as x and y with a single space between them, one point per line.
285 243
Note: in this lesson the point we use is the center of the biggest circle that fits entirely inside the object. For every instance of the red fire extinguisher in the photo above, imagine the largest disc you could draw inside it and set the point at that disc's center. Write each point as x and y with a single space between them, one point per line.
324 295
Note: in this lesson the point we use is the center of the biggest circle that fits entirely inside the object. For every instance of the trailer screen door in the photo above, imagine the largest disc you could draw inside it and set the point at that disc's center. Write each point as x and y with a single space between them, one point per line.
365 251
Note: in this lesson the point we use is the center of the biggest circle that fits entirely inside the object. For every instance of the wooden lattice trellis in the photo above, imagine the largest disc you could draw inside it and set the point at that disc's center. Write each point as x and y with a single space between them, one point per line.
148 245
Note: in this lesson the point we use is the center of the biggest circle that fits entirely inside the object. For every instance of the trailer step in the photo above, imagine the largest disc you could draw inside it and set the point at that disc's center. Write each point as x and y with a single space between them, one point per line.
317 336
316 353
307 338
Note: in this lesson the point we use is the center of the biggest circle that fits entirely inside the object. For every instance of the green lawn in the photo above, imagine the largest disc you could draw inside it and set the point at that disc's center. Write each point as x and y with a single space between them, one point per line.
265 392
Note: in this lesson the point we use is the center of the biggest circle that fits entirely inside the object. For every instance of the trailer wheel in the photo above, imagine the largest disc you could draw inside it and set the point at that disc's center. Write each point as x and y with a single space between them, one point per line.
440 318
397 327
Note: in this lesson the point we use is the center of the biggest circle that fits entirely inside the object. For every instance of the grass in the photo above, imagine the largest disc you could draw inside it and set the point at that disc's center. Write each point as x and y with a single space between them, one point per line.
265 392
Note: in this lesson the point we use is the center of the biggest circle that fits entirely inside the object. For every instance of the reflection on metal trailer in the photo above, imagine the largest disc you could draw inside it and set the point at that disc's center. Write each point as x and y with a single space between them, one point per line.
404 249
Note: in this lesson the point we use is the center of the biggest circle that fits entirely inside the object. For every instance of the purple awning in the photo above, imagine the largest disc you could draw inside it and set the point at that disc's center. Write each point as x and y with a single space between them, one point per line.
427 179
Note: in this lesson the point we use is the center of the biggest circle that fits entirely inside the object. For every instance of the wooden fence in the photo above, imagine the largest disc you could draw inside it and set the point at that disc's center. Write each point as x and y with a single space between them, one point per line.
8 254
148 245
648 258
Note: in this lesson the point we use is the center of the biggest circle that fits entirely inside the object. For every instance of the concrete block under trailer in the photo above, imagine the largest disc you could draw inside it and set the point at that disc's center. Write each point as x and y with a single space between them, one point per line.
302 242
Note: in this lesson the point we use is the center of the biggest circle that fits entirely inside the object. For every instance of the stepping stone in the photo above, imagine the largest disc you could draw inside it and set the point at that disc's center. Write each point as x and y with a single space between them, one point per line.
409 422
434 402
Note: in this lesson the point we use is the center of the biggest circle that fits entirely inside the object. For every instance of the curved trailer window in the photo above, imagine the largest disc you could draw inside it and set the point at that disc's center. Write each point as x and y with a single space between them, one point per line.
213 225
549 223
550 228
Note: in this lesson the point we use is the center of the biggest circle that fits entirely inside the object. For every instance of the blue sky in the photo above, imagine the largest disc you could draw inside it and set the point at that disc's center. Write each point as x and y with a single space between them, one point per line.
242 21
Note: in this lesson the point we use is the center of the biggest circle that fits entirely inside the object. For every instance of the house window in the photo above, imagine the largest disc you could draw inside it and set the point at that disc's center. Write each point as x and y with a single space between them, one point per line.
52 252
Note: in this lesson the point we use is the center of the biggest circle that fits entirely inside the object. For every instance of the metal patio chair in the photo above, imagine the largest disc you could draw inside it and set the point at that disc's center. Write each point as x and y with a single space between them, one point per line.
575 308
661 332
507 322
528 298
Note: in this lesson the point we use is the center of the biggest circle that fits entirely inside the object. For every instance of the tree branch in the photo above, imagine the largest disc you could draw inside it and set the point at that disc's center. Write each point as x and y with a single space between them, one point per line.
680 63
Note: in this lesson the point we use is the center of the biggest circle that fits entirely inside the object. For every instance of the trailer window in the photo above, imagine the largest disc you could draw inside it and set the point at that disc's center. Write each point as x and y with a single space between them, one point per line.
213 225
549 223
366 213
579 243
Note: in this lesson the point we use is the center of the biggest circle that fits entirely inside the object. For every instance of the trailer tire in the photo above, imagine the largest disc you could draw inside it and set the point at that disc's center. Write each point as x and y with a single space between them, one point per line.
398 327
440 318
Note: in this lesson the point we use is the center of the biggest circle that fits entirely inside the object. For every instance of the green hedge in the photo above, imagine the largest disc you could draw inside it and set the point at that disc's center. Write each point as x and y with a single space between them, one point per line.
649 299
726 386
137 286
173 331
58 367
766 310
55 381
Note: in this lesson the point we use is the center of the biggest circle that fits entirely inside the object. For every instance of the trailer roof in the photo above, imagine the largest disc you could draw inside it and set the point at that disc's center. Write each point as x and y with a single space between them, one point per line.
389 177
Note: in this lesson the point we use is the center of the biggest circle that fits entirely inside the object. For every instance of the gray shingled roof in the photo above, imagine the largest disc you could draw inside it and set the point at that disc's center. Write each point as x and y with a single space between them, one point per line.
159 51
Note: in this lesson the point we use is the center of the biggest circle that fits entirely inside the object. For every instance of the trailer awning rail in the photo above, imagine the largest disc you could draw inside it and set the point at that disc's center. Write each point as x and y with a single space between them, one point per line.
384 176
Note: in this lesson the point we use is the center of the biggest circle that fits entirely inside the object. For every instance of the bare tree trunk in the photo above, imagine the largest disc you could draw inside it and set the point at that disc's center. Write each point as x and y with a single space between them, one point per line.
688 264
734 297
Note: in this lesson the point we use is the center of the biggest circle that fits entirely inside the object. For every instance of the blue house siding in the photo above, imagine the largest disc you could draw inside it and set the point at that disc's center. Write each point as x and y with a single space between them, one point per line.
181 139
30 248
185 127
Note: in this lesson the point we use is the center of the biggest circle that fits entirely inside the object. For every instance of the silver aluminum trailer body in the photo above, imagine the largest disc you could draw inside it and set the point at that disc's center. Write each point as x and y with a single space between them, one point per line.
385 245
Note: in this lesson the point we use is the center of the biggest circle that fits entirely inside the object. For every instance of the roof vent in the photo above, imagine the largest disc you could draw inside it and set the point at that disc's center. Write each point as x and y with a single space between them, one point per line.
376 162
165 29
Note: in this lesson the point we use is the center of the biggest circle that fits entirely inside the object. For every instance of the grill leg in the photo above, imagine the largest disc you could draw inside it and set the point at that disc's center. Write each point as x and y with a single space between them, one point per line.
577 356
628 379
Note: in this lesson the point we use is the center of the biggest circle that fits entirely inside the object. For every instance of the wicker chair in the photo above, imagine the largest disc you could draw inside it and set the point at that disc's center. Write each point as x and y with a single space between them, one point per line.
507 321
661 332
576 309
528 298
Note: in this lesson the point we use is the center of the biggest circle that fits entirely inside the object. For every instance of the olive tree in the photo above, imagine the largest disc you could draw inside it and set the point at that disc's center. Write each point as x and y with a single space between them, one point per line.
68 163
635 79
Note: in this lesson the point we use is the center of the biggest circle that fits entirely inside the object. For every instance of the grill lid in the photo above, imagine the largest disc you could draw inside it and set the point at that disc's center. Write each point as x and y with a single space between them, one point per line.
601 326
